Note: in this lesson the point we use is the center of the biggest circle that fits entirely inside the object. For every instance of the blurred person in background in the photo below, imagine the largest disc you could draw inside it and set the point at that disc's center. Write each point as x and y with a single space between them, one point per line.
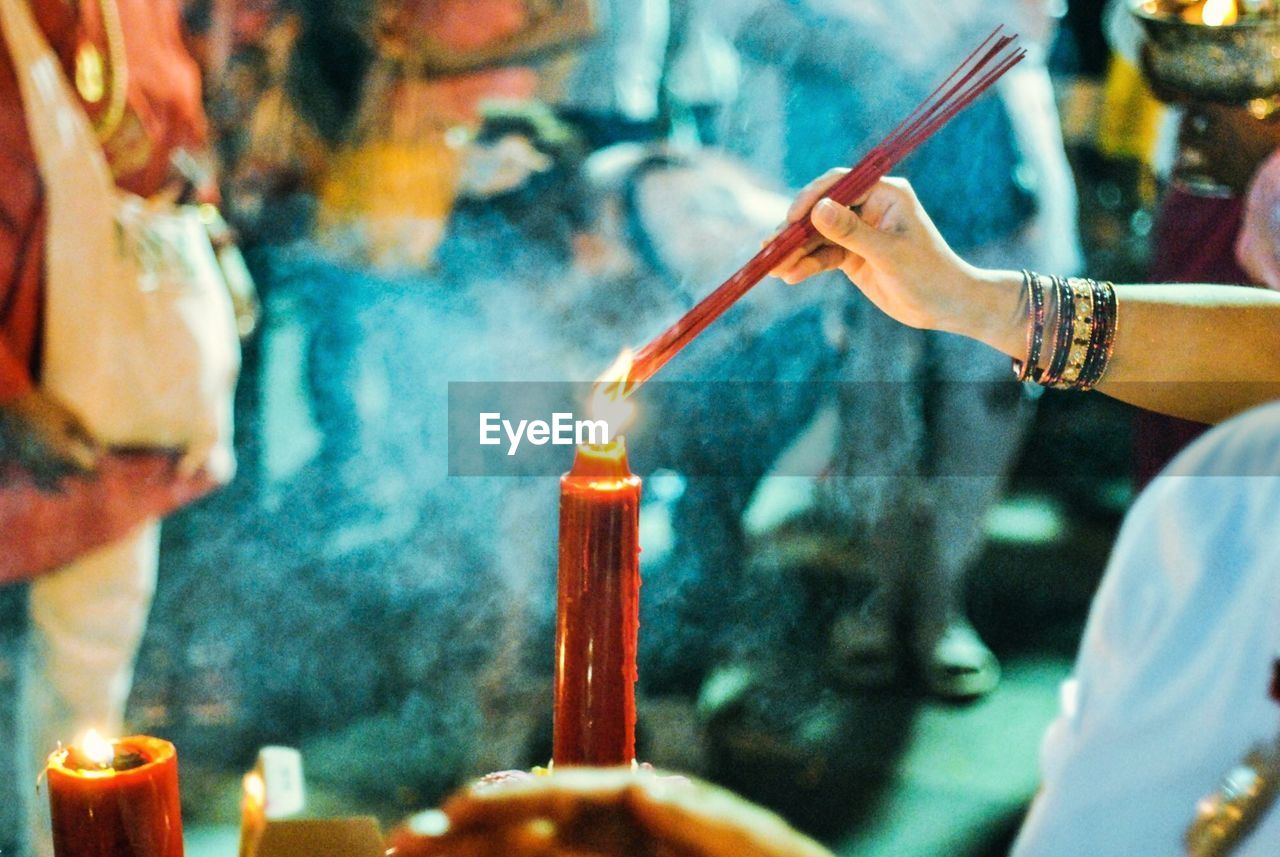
325 105
71 634
910 403
1217 150
1197 228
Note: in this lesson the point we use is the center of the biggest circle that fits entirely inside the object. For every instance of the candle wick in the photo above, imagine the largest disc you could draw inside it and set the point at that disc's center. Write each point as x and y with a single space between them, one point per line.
127 760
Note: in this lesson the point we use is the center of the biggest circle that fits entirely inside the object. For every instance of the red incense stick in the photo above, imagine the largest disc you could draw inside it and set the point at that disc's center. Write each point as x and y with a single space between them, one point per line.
982 68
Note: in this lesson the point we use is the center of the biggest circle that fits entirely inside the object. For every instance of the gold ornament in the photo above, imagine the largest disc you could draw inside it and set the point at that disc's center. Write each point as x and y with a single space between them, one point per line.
1226 817
90 73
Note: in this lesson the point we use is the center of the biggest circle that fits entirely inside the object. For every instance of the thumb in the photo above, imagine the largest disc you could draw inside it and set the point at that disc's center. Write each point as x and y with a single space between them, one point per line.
842 226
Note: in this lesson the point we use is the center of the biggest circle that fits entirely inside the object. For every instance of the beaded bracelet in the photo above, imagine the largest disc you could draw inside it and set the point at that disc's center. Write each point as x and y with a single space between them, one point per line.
1106 315
1065 298
1082 331
1084 335
1097 332
1035 326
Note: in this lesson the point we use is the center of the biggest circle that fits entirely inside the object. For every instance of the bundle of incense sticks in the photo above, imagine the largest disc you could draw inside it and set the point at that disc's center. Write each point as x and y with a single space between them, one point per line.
982 68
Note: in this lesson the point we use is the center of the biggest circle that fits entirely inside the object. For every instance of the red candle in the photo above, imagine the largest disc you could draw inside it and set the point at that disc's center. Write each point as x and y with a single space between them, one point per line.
118 799
598 609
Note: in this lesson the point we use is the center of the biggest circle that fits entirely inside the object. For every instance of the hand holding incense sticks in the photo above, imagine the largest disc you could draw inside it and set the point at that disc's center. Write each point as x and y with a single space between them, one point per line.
982 68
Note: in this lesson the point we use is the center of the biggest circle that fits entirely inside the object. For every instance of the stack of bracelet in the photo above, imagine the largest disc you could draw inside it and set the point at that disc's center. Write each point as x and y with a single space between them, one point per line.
1085 321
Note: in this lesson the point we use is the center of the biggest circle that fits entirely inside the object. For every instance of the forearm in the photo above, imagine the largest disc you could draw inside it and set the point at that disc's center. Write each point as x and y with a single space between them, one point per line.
1201 352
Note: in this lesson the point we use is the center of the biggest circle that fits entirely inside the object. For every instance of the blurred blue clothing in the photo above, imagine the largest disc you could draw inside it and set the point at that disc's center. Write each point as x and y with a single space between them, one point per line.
845 90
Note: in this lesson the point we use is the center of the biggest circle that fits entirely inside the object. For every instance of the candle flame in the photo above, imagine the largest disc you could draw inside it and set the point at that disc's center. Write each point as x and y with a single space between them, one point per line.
1219 13
610 397
255 790
95 749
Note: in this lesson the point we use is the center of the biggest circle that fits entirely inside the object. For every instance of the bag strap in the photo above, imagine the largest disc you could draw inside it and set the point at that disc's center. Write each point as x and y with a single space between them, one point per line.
81 201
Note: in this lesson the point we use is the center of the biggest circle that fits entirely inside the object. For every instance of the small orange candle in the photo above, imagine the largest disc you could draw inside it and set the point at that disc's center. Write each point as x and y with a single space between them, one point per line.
253 813
115 798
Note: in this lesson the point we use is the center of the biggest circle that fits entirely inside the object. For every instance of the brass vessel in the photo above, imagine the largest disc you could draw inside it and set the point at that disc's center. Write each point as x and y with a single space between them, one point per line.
1233 64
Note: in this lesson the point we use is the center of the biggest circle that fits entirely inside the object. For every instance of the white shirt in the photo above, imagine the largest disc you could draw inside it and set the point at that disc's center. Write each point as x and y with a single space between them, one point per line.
1170 686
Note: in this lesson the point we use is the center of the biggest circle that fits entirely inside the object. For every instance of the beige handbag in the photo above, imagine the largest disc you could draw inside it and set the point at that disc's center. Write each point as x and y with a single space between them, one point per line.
139 333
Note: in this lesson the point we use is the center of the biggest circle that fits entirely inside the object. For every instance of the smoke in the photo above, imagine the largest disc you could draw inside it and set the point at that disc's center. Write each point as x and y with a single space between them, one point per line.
346 595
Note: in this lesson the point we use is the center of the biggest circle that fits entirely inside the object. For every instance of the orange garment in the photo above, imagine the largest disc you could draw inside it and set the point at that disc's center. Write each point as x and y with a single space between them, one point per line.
163 112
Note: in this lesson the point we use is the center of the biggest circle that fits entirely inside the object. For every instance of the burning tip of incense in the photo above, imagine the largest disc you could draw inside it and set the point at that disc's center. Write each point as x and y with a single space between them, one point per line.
610 397
615 382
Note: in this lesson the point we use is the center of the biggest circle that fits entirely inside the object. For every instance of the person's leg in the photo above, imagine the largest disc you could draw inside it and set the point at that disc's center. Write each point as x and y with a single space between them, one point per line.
869 499
87 620
977 419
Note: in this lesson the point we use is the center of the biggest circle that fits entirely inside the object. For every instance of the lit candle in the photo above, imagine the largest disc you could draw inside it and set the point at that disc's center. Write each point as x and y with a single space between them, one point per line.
598 609
253 813
115 798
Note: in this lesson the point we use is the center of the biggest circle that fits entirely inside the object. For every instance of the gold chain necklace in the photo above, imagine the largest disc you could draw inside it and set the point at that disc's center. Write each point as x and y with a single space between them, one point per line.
95 79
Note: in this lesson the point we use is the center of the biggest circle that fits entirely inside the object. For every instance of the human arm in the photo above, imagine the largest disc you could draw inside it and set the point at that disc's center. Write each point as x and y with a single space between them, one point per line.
1202 352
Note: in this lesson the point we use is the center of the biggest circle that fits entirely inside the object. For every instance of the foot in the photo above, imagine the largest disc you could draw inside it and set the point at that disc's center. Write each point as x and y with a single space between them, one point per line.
959 666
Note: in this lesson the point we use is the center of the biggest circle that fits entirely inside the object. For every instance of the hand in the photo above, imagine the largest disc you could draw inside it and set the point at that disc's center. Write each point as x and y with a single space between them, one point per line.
46 439
611 811
890 249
